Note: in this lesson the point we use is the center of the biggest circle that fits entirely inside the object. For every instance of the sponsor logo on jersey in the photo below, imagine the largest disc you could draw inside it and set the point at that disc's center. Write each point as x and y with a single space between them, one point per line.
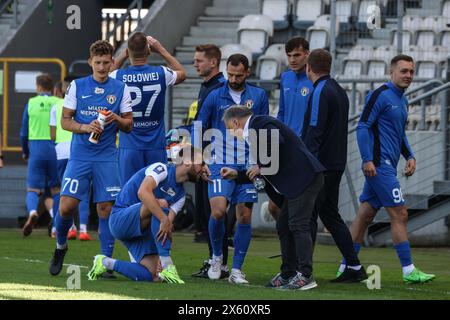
159 169
111 99
99 90
114 189
169 191
249 103
304 91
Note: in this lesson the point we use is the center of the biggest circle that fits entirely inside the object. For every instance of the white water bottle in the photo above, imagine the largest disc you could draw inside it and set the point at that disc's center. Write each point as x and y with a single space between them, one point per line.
102 115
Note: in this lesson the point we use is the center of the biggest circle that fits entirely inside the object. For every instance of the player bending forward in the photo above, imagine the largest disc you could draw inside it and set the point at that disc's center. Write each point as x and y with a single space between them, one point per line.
143 226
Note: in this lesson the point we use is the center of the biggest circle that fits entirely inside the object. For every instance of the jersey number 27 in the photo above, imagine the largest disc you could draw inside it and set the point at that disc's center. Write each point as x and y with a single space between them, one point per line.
156 89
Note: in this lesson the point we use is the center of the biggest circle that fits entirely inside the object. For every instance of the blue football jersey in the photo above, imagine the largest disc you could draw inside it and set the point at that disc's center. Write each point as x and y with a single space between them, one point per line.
228 150
148 90
87 96
167 188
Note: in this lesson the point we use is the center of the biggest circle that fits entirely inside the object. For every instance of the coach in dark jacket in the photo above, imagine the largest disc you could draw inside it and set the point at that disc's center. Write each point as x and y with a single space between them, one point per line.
296 176
325 131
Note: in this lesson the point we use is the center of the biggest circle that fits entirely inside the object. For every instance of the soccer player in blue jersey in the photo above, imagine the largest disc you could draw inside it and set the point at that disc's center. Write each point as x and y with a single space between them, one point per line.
228 152
381 140
62 139
148 84
295 89
144 225
39 150
89 162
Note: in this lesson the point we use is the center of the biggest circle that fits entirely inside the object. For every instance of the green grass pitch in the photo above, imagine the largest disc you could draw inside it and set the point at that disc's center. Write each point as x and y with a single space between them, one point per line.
24 273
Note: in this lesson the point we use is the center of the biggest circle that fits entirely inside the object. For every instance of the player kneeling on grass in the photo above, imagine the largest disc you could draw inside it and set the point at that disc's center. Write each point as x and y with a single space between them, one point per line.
143 226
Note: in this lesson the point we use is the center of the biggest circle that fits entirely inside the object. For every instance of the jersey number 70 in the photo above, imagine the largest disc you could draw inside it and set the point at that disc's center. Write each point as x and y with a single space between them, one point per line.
156 88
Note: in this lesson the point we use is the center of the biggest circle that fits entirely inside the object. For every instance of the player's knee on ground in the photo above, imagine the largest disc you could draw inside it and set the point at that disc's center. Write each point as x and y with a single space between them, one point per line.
104 209
67 206
244 213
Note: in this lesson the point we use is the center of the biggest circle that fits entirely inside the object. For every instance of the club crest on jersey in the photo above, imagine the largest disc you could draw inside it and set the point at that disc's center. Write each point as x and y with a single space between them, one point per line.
99 90
249 103
111 99
304 91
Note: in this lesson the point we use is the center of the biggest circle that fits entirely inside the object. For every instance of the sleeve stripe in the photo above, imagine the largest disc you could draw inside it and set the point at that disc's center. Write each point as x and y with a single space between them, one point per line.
315 103
373 98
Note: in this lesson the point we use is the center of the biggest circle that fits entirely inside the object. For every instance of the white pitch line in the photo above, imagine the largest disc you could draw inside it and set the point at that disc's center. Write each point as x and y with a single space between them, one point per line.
40 261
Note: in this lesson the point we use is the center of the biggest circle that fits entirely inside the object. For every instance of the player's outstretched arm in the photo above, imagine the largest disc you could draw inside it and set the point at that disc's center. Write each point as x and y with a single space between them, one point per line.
172 62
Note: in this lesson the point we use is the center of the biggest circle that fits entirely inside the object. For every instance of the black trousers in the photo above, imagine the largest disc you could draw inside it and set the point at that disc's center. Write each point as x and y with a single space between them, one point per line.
327 208
293 226
202 214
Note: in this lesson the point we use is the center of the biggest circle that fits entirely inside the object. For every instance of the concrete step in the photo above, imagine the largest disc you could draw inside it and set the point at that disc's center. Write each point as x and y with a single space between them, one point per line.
190 71
195 41
12 197
231 11
184 49
185 94
202 32
181 103
216 21
9 184
441 187
184 56
13 172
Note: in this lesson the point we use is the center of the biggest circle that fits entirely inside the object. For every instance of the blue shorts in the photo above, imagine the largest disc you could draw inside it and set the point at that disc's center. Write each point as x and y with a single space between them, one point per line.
104 176
235 193
62 165
383 190
125 225
131 161
42 173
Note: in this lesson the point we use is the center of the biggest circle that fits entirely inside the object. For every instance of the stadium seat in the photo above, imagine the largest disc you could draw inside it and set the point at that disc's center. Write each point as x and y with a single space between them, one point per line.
426 69
357 56
406 39
446 9
344 10
254 31
425 38
272 63
414 51
412 23
377 69
385 53
278 11
229 49
318 34
445 38
436 53
306 12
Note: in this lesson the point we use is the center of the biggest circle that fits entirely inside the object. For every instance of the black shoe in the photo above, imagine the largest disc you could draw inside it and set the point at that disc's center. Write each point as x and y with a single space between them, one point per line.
350 275
109 275
203 272
57 261
224 273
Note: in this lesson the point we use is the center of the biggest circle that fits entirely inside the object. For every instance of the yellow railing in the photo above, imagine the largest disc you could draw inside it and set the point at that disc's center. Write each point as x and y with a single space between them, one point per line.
6 62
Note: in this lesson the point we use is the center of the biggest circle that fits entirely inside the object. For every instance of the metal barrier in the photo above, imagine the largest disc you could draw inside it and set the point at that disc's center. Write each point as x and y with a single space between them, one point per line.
6 62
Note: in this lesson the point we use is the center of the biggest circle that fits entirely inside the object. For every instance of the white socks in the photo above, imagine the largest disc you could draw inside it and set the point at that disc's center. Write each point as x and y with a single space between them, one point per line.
108 263
165 261
61 246
83 228
408 269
